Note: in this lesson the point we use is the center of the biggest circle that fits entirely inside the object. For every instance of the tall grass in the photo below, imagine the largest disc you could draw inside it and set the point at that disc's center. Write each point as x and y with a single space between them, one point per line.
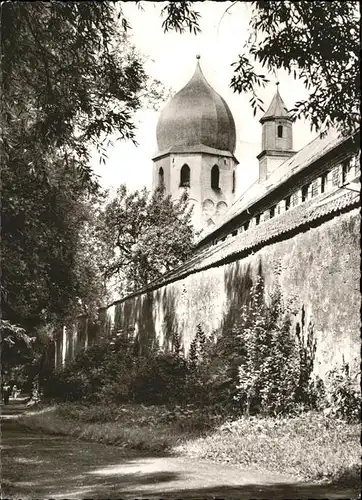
308 446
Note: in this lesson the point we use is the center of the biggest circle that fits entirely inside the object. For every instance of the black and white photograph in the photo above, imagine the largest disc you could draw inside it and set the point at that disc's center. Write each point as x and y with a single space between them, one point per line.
180 250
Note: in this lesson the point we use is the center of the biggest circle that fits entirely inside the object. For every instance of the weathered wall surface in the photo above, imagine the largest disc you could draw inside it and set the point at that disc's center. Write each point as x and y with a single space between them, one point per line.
318 269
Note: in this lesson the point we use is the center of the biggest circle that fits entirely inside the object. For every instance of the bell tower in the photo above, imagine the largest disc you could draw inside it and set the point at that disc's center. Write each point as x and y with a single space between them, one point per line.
196 140
277 137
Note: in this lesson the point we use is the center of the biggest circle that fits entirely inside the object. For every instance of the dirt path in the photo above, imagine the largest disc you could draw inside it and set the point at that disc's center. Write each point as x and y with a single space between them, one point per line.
36 465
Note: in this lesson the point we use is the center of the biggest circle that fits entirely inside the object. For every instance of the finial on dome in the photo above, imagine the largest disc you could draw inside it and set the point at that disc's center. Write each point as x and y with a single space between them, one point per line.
198 56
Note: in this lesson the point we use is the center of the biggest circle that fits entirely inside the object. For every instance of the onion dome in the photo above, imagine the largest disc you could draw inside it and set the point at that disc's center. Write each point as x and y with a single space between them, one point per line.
277 109
196 119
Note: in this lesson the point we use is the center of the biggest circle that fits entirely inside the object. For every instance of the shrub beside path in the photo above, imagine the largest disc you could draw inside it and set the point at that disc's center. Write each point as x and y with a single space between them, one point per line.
36 465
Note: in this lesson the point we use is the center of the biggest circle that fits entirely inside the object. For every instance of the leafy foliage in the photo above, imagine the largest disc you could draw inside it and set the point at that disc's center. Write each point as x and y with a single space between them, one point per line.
70 77
49 261
275 375
116 372
179 16
146 236
259 365
344 393
24 359
16 346
316 42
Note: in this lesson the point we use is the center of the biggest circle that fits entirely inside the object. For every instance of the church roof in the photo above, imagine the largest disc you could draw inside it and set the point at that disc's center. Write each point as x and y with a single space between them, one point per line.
277 109
257 191
196 116
317 209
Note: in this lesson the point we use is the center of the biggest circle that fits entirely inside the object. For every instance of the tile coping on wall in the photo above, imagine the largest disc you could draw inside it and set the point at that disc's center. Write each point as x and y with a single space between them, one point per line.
299 218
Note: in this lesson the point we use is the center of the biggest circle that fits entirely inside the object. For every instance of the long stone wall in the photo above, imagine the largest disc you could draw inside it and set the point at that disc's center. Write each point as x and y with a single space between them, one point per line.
318 269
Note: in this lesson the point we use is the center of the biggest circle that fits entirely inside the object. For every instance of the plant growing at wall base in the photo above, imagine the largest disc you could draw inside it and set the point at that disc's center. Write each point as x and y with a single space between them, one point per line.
344 393
267 375
257 364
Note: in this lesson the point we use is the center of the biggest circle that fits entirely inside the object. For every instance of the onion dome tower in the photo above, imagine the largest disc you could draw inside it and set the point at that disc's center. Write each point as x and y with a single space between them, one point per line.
277 137
196 140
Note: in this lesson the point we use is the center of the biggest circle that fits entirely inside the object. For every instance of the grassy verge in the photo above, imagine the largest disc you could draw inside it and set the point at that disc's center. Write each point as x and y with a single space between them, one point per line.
310 447
137 427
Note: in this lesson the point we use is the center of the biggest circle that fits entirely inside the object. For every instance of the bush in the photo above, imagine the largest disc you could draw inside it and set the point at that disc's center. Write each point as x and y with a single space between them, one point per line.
344 394
99 372
255 364
159 379
77 380
115 372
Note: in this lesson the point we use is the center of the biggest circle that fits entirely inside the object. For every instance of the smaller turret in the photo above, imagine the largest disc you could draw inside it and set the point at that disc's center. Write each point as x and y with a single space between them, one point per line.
277 137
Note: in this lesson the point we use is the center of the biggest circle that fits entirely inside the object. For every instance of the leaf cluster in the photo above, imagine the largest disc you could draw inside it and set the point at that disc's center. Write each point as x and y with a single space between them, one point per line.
344 393
70 78
146 235
179 16
315 42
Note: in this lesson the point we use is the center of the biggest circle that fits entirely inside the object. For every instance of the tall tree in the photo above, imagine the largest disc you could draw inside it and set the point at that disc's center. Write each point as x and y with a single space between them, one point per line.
317 42
69 78
47 270
146 235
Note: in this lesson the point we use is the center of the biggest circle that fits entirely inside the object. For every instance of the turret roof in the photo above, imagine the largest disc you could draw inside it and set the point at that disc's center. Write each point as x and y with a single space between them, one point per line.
277 108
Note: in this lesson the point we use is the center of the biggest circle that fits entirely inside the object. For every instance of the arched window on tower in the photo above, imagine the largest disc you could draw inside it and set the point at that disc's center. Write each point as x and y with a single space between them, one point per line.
161 177
280 130
185 176
215 177
234 182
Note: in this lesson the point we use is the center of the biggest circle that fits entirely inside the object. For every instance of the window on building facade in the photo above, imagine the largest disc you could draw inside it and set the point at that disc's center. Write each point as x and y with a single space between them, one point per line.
315 188
280 130
215 177
336 176
346 168
287 203
161 177
246 225
272 211
234 233
305 190
357 164
234 182
323 183
294 199
257 220
185 176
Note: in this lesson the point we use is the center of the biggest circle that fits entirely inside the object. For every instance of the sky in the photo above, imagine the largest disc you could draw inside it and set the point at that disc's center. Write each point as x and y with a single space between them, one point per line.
171 58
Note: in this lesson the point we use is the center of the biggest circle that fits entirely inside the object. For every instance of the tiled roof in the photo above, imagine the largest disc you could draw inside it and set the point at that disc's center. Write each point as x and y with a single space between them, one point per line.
302 215
306 156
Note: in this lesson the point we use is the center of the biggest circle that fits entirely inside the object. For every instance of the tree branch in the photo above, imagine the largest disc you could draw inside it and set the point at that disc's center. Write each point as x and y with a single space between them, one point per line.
225 12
